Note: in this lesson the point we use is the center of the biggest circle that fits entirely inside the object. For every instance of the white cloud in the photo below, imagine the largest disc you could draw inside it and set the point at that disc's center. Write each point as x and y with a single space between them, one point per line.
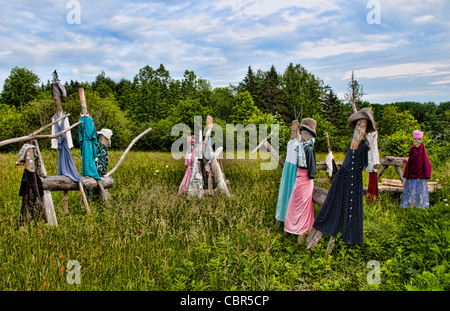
333 47
414 69
424 18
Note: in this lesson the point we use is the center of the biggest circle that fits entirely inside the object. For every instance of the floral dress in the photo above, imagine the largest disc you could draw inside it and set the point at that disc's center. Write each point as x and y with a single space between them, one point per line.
102 159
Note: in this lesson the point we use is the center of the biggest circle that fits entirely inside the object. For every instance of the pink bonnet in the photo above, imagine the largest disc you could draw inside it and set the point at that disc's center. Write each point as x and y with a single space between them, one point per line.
417 134
191 139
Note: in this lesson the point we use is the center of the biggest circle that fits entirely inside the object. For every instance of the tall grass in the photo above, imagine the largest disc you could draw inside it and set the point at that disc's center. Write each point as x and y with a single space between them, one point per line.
148 238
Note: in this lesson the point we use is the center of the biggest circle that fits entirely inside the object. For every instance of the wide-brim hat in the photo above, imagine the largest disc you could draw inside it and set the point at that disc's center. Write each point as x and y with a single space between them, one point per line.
309 125
364 113
24 150
106 132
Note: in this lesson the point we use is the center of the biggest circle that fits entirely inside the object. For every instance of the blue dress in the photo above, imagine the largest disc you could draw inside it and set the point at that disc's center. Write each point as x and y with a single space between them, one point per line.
66 166
342 211
88 144
287 179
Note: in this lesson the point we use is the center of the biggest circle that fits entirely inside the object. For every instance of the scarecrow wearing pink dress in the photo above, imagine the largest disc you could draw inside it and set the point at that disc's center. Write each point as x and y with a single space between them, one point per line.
189 162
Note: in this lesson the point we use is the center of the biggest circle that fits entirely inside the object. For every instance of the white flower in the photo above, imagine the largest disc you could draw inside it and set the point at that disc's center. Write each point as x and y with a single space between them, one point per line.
167 165
156 171
445 200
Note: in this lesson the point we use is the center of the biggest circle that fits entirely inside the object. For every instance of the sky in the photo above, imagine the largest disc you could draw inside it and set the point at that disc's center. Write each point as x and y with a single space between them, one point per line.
398 50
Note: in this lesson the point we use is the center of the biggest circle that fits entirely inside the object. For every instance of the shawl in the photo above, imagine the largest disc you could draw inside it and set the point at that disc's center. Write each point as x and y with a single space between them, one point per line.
418 165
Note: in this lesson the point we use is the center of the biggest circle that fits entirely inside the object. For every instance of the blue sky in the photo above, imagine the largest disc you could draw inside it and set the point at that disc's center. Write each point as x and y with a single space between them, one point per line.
405 57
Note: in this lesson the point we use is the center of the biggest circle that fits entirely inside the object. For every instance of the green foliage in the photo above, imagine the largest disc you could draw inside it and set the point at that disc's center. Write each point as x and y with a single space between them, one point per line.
148 238
106 114
392 120
244 109
21 87
425 239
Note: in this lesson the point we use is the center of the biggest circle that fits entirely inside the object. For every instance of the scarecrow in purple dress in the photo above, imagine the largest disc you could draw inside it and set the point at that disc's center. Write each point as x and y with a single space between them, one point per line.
417 171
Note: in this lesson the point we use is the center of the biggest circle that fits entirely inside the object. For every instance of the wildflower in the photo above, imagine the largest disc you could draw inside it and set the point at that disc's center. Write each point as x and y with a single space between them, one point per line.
39 232
50 243
61 257
445 200
156 171
62 268
140 230
45 283
167 165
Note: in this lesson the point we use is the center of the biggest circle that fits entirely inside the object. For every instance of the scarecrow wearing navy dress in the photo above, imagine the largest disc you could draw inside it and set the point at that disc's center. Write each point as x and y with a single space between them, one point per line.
342 211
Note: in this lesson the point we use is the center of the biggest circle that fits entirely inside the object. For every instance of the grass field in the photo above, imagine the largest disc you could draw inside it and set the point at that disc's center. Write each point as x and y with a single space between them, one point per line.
147 238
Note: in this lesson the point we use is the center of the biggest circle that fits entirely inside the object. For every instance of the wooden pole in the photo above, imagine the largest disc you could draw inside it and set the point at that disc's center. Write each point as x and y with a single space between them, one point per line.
126 151
84 110
33 136
58 108
49 209
262 143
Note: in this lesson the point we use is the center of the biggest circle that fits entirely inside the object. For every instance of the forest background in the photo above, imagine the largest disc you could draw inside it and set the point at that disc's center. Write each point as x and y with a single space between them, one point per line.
154 99
149 238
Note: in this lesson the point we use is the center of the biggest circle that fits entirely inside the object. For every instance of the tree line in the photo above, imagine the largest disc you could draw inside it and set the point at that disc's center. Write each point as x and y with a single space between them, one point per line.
153 98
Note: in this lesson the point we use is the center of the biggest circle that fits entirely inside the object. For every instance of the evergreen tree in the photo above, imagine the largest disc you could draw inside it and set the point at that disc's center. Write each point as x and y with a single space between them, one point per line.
20 88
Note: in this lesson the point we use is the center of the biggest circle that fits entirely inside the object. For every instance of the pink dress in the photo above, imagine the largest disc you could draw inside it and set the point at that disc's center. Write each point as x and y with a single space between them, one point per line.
300 212
189 161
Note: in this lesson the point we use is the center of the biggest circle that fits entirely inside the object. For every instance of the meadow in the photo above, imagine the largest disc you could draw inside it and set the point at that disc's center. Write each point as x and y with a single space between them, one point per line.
145 237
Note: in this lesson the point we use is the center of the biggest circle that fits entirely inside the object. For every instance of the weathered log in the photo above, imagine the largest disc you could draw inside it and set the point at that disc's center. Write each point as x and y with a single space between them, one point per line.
322 165
61 183
319 195
217 170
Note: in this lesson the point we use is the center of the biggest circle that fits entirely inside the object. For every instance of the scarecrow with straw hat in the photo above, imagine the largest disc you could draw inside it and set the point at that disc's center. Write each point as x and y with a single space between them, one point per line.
300 212
342 211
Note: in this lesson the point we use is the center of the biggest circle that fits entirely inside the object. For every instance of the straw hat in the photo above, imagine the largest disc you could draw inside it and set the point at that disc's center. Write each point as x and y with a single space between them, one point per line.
309 125
364 113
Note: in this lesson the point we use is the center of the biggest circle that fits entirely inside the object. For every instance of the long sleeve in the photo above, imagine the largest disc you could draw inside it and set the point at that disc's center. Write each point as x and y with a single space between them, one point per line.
426 164
81 134
310 160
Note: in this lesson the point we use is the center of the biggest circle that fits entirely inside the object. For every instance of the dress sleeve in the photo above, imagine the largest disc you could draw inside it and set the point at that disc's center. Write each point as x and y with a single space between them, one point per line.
426 164
80 134
310 160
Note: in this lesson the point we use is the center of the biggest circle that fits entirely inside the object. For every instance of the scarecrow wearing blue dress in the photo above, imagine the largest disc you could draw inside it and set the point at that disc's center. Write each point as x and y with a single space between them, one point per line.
342 211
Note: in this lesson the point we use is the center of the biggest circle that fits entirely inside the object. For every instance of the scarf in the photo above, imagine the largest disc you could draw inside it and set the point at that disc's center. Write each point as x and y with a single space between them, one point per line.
301 152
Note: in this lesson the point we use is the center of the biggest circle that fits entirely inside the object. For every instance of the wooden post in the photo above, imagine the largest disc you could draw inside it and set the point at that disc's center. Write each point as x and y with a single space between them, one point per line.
84 110
49 209
58 108
217 171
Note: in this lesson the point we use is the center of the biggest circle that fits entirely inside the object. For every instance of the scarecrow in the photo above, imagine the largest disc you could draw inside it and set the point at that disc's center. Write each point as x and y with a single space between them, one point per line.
342 211
417 171
300 212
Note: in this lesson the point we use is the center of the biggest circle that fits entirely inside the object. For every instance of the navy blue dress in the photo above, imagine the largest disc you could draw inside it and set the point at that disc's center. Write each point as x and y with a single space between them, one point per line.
66 166
342 211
